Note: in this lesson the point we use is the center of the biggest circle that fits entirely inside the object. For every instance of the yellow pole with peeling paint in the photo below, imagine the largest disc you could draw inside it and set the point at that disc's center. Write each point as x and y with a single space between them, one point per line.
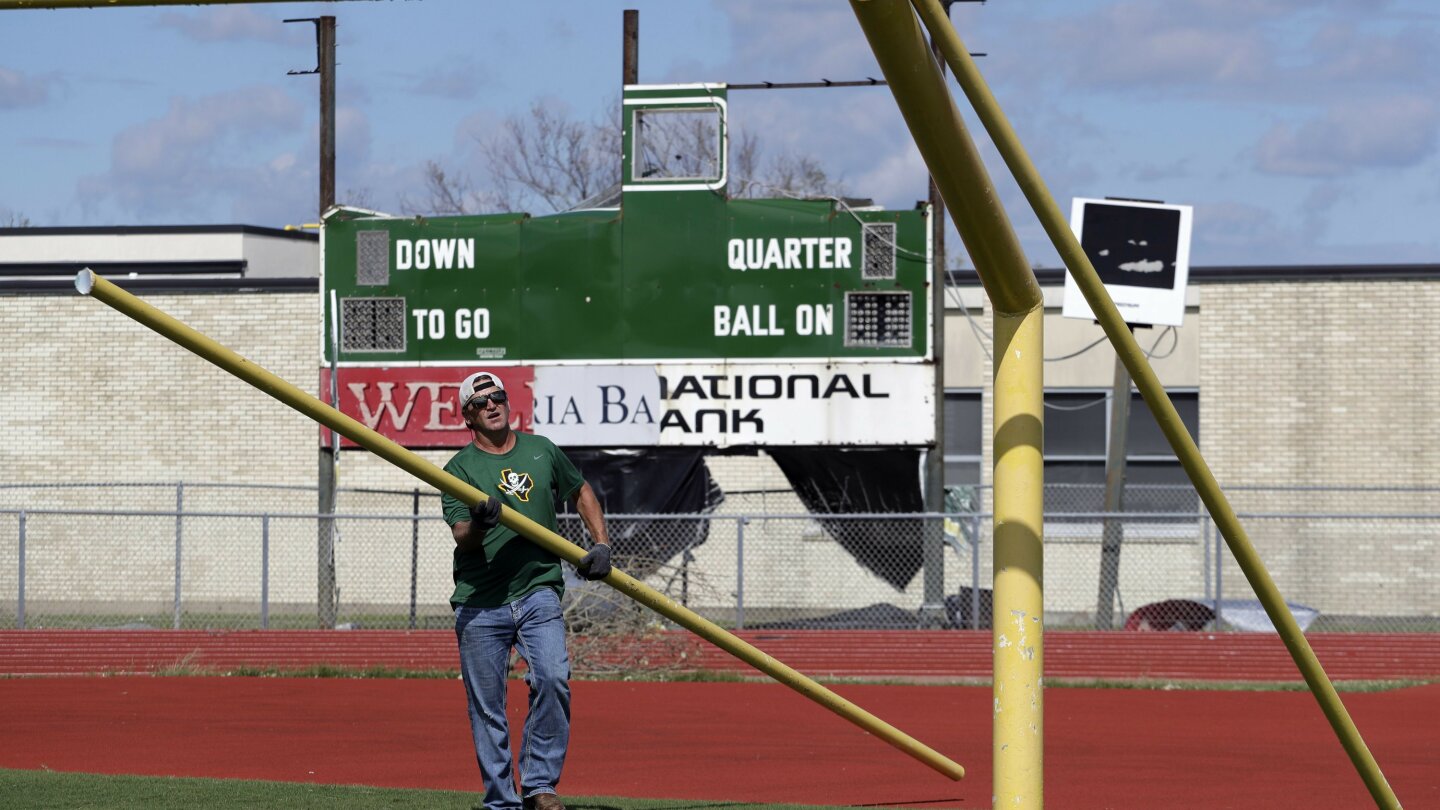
92 285
939 132
1028 177
1018 620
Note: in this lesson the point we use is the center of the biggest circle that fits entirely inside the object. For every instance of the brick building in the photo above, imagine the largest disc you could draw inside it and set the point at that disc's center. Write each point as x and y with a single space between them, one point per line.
1292 376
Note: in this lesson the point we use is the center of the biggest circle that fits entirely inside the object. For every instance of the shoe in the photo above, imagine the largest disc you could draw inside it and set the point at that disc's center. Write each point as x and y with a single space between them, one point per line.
544 801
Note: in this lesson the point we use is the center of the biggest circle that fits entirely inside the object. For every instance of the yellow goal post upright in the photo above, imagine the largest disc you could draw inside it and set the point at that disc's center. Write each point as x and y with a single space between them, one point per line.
913 56
1017 635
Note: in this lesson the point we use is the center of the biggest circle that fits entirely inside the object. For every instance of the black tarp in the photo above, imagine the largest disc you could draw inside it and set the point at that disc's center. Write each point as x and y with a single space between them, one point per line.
832 480
649 481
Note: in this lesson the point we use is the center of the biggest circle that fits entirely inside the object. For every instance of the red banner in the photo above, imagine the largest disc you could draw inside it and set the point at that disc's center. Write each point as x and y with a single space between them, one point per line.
420 407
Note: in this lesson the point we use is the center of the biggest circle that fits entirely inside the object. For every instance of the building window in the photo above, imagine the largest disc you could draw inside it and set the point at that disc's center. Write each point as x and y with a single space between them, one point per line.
678 144
964 437
1077 428
1077 435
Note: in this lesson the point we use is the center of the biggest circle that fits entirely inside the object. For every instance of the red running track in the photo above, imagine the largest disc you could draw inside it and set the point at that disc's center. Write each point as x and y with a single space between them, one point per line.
748 742
938 654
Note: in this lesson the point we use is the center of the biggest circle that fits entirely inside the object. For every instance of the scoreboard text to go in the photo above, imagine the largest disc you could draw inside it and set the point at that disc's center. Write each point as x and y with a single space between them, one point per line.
465 324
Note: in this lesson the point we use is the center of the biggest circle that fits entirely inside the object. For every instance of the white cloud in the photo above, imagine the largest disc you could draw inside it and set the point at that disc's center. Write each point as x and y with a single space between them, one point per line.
1174 170
1290 51
1228 232
796 40
24 90
1317 207
457 80
281 164
54 143
1393 132
202 153
894 177
235 24
1343 53
1132 46
352 137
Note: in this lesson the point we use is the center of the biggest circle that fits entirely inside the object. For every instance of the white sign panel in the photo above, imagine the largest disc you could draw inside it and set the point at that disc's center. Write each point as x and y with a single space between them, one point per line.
1142 253
725 405
614 406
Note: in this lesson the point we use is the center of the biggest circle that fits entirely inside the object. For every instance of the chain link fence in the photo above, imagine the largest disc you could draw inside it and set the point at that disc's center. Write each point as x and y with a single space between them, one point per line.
153 565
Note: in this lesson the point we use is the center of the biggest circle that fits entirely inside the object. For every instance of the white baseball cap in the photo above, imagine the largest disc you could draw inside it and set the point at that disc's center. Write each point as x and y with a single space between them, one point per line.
480 379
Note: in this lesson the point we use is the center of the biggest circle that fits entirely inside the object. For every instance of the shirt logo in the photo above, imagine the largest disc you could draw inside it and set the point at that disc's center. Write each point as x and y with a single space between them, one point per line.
516 483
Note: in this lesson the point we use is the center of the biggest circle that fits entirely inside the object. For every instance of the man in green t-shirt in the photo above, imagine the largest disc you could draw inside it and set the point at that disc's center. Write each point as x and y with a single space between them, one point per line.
507 593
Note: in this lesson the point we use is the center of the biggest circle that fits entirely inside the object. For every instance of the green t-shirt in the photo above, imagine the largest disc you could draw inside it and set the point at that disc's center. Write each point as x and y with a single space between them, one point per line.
528 479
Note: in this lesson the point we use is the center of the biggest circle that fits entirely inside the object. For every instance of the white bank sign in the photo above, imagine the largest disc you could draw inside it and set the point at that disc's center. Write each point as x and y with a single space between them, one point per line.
725 405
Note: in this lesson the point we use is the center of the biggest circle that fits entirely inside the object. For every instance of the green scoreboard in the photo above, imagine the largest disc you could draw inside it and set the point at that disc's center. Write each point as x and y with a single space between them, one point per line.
677 271
673 275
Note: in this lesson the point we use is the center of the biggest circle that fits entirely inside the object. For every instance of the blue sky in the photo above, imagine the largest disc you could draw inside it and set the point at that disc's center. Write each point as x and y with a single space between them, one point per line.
1303 131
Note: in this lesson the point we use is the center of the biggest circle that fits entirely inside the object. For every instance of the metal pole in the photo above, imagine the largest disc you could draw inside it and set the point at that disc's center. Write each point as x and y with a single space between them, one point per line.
630 71
1017 618
975 572
685 576
325 551
1113 534
90 284
954 162
740 572
328 456
932 553
329 475
325 40
20 607
824 84
264 572
179 508
1219 574
1226 521
932 536
1205 551
414 553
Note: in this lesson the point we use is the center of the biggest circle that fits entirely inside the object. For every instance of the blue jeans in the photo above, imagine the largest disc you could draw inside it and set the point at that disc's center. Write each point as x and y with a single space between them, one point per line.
533 625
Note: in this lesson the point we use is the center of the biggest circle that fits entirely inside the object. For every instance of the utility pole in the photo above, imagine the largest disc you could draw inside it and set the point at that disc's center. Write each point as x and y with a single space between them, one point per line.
631 70
932 552
1113 534
329 455
325 42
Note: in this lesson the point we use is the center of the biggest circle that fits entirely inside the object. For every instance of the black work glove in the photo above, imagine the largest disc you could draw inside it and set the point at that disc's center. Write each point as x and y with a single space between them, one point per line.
485 515
595 564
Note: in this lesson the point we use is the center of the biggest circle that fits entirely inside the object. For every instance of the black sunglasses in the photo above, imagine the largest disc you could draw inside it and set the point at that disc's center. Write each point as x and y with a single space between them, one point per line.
498 396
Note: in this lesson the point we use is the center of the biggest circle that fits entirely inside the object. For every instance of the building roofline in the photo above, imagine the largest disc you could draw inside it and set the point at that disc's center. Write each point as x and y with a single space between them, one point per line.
1250 274
1311 272
66 286
135 230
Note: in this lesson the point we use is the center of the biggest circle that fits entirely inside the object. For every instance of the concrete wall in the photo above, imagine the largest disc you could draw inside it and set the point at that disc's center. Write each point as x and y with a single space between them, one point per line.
1329 383
966 364
93 396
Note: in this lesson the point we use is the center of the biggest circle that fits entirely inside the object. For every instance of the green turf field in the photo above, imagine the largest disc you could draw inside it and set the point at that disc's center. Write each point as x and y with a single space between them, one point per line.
29 790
